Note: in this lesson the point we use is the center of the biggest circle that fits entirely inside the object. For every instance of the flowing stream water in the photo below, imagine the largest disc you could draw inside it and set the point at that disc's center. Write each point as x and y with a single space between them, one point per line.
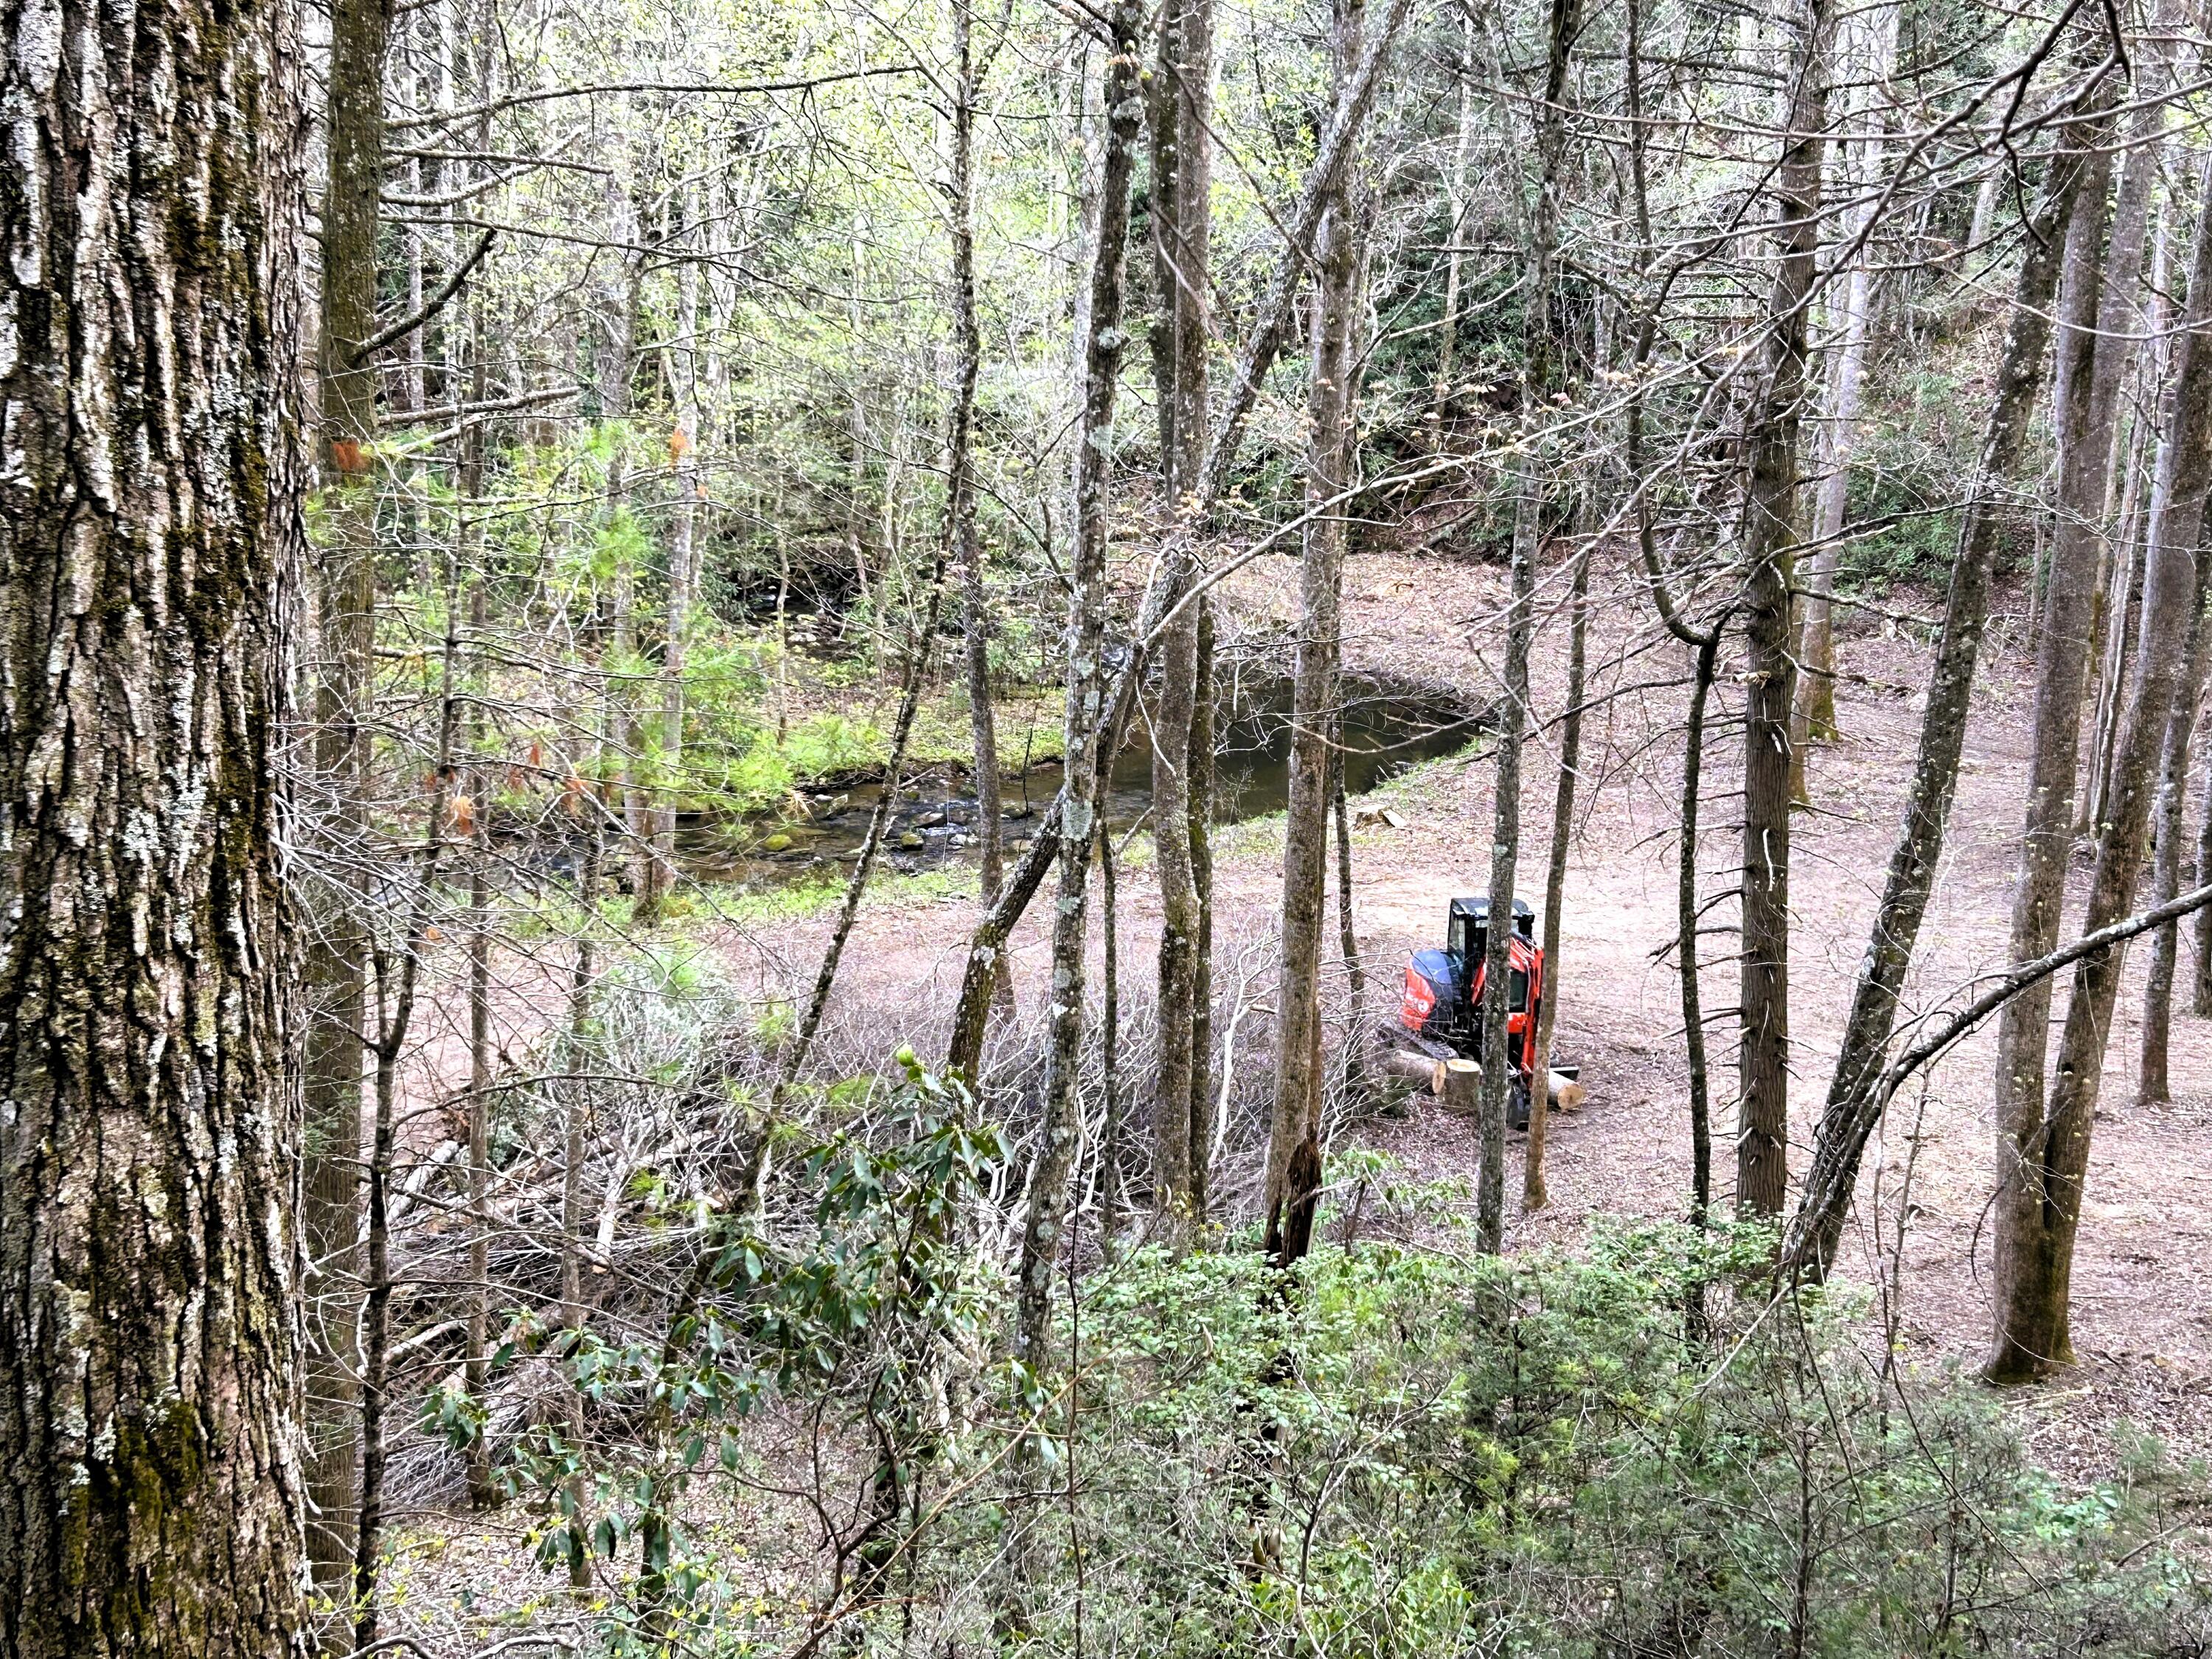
1386 728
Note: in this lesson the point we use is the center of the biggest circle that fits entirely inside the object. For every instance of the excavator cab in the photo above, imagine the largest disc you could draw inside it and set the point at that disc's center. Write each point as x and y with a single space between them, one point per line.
1441 1012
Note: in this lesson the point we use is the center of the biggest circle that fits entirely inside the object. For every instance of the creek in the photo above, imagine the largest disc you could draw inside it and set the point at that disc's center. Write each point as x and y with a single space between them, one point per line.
1386 729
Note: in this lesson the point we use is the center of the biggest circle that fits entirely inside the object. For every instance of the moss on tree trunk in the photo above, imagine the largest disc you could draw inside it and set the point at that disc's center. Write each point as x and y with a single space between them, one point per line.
148 1336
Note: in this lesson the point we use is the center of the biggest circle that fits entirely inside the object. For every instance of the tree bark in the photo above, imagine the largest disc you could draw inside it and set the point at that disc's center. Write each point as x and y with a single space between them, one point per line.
1496 1094
1530 500
682 554
1772 531
659 870
1088 718
2120 311
1456 204
1534 1197
2122 302
615 370
1705 646
1296 1120
476 1373
1202 721
395 977
1355 975
576 1126
1112 1107
2120 588
2122 607
960 460
1261 345
2078 172
2042 1166
1685 935
2098 304
1172 719
1815 711
336 1038
2152 1084
2200 1001
1182 200
980 975
483 1493
152 197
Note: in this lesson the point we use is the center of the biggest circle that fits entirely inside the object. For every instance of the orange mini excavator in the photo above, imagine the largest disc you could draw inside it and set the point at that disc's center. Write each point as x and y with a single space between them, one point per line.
1441 1015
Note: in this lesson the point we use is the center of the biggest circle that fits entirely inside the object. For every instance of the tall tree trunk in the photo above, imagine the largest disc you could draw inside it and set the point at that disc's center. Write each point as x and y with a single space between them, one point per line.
916 676
395 976
1815 715
336 1038
1172 719
1296 1120
152 193
2123 605
682 533
477 1367
1685 935
377 1288
1181 201
1705 646
2078 172
575 1142
2135 443
1204 714
473 37
960 461
2152 1084
1498 1070
483 1493
1088 688
1164 127
1531 498
1111 1109
1347 939
615 370
1534 1197
1167 596
982 975
2200 1001
2127 258
1456 204
2041 1165
2098 304
1772 531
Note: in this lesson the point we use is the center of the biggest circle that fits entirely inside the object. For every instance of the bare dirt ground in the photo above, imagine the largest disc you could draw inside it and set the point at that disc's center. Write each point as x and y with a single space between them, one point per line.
2142 1306
2142 1301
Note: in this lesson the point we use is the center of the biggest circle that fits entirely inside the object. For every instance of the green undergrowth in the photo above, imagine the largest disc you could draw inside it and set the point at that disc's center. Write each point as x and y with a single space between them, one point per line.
556 914
816 894
1616 1446
837 734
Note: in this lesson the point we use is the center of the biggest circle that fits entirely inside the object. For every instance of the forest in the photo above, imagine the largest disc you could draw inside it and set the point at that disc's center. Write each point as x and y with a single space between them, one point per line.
1105 827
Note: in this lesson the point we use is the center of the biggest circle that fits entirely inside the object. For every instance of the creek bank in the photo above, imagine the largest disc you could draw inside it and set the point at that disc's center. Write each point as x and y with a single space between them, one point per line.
1385 726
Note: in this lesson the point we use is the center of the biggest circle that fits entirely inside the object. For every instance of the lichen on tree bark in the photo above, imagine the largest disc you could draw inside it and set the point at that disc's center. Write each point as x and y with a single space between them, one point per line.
149 1336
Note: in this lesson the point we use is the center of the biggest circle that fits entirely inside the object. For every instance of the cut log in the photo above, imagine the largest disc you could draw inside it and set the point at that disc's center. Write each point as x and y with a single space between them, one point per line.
1462 1086
1417 1069
1567 1095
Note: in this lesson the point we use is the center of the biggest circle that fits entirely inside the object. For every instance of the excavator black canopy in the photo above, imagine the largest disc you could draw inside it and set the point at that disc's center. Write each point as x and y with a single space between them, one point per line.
1441 1013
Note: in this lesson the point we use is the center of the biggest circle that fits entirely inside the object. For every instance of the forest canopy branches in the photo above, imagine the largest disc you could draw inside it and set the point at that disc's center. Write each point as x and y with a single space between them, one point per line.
1431 530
